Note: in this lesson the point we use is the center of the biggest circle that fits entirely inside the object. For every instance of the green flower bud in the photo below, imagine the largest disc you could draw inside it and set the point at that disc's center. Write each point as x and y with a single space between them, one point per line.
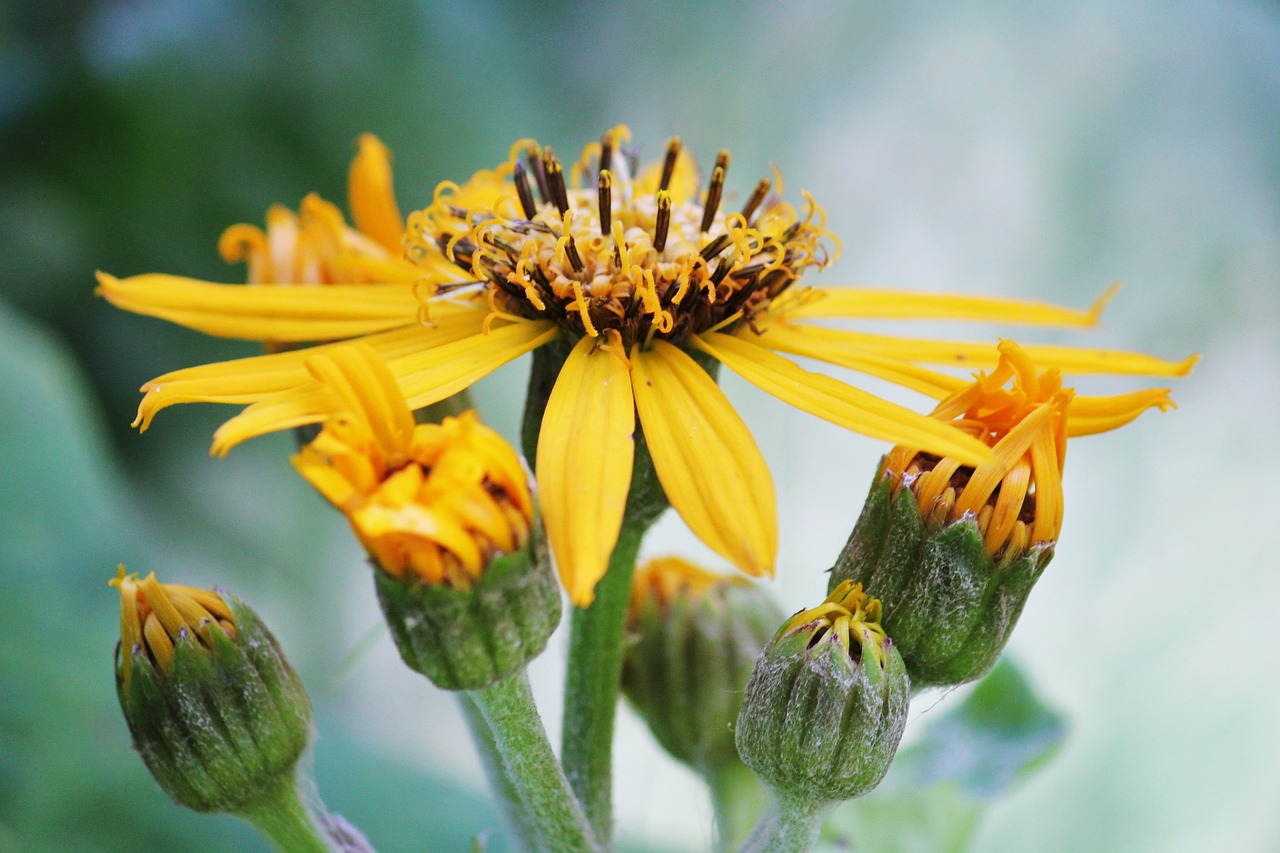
949 605
693 637
827 702
215 710
468 639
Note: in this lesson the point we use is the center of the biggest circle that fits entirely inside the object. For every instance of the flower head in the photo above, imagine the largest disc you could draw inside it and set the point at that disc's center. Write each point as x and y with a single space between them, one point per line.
641 277
437 500
1026 416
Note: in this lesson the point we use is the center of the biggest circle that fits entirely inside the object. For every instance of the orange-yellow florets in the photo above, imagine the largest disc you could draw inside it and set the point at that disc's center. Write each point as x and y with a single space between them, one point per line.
1016 499
440 500
849 615
611 247
665 579
153 615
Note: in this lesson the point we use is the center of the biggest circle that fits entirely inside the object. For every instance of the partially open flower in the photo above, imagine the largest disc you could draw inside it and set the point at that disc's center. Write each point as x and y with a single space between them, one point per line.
446 514
693 637
827 702
215 710
954 549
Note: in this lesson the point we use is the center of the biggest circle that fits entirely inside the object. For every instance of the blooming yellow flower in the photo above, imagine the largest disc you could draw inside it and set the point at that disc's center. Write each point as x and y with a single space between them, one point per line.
152 615
440 500
635 271
1017 496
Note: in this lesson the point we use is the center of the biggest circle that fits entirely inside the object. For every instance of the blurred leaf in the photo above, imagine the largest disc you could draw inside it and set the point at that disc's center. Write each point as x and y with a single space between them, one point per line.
933 798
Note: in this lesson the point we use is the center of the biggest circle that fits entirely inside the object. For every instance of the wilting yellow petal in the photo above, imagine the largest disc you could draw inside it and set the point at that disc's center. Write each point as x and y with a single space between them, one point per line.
278 312
1092 415
372 196
838 402
862 302
369 391
247 380
424 378
585 450
984 356
705 458
798 340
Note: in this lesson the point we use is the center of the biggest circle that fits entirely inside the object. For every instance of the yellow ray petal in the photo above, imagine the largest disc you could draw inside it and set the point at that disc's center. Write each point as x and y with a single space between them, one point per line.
585 451
983 355
863 302
372 197
840 403
247 380
797 340
277 312
1092 415
705 458
424 378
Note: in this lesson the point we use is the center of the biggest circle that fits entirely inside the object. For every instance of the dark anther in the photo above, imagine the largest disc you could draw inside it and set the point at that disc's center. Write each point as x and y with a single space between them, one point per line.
715 247
571 252
522 190
555 181
757 196
606 202
722 270
606 152
536 166
669 164
664 220
713 193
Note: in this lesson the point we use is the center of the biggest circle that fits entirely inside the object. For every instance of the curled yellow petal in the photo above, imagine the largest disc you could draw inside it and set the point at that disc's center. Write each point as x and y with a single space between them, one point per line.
372 197
707 461
585 450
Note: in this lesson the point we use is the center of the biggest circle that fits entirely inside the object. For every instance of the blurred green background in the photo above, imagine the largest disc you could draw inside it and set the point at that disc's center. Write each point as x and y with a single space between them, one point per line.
1033 150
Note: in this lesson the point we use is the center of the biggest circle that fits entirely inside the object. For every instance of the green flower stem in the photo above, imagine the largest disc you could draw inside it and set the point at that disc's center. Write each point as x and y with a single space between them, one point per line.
591 687
549 810
520 820
789 826
739 799
281 816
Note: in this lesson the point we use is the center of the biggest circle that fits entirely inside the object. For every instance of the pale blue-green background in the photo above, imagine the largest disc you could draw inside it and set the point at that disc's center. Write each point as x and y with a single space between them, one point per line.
1037 151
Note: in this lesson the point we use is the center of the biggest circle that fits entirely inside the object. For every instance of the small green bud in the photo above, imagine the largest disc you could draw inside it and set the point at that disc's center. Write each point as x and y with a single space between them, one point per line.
468 639
827 702
693 637
949 605
216 712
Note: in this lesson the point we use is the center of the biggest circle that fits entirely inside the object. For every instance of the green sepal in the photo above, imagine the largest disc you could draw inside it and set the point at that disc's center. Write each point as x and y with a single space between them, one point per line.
817 725
212 734
468 640
686 666
948 606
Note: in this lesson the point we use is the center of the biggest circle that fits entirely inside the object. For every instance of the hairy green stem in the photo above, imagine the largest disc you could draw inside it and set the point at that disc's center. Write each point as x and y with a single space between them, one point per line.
281 817
520 820
739 799
591 687
789 826
555 818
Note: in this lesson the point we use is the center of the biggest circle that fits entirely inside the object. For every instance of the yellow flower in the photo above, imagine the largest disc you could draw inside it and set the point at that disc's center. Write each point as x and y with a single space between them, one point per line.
663 580
636 272
440 500
153 615
1017 496
848 615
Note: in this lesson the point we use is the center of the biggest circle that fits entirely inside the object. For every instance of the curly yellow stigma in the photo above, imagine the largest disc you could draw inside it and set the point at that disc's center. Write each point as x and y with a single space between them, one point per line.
439 500
601 249
849 616
1016 499
154 615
